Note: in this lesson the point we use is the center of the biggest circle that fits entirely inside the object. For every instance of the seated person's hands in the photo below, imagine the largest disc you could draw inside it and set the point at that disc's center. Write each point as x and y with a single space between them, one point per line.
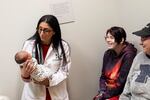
99 96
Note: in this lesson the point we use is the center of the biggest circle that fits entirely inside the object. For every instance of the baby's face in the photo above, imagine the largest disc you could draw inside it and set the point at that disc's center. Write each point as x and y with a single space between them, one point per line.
23 56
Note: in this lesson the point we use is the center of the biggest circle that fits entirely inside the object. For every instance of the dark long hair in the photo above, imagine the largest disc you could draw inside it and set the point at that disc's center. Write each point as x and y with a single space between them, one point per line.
56 38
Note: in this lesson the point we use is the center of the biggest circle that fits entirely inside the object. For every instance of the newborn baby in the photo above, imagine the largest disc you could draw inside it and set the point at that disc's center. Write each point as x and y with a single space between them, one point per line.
23 56
40 73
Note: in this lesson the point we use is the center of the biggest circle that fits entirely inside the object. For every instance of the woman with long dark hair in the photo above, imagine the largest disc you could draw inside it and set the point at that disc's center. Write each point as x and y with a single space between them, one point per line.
47 46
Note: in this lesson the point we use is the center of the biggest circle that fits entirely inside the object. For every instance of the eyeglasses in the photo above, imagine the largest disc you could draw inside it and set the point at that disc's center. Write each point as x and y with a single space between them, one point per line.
44 30
109 37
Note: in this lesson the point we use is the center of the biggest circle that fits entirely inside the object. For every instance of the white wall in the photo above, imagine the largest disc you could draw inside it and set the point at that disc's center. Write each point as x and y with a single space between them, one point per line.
86 37
135 14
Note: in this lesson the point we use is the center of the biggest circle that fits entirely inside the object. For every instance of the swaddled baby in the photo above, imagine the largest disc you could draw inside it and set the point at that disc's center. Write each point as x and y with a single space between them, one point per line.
40 72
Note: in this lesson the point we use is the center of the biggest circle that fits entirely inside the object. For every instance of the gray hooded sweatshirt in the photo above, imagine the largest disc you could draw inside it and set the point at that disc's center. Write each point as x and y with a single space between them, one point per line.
138 82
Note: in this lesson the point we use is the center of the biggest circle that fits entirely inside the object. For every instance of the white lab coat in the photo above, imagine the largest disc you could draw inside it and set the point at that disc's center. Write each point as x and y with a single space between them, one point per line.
57 82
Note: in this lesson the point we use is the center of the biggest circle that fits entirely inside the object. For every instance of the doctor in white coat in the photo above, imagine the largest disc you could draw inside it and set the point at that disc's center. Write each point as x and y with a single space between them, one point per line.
47 46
